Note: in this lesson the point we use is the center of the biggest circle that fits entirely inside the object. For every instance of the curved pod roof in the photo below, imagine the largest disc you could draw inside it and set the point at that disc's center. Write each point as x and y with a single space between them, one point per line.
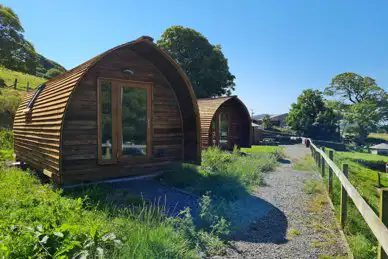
209 107
38 130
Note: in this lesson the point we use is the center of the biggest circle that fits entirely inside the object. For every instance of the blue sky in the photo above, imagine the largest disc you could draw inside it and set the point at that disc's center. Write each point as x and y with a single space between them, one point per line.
275 48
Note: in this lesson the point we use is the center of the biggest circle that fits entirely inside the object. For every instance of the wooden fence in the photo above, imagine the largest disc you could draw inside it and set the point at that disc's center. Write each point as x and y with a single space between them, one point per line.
377 224
16 86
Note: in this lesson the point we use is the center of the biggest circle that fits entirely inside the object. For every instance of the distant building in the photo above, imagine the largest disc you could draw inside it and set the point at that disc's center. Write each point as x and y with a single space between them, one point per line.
257 133
380 149
277 120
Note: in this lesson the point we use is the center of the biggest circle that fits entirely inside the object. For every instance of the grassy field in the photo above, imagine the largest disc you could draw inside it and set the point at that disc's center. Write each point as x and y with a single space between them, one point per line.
9 77
382 136
360 238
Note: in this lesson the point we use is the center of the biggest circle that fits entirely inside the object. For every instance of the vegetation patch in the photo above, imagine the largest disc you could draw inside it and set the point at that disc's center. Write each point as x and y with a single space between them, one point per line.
305 164
313 187
23 79
226 175
292 233
276 151
6 145
37 221
381 136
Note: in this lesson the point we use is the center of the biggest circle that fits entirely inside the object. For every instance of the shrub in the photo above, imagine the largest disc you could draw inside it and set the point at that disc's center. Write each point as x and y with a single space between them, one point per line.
52 72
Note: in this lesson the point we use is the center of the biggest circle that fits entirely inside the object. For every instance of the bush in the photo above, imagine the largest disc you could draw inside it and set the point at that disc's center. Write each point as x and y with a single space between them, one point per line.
52 72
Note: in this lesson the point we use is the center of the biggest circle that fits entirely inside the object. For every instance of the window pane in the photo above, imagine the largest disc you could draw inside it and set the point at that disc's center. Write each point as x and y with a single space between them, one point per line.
224 128
106 120
134 121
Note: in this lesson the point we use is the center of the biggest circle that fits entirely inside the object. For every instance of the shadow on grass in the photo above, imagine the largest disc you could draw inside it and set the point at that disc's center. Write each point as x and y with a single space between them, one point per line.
182 187
231 200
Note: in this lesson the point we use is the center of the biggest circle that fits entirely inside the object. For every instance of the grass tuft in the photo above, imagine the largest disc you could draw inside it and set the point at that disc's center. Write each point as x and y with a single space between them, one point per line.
292 233
306 164
313 186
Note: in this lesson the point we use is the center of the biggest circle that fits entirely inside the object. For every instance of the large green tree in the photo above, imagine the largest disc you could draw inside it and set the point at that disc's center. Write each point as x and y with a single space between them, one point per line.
311 117
204 63
362 103
15 52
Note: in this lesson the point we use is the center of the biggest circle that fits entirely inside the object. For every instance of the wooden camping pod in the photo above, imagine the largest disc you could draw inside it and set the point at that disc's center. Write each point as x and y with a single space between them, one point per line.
225 122
59 130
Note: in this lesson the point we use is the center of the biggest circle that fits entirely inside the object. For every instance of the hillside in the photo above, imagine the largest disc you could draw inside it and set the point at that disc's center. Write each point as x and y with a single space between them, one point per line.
45 64
9 77
9 97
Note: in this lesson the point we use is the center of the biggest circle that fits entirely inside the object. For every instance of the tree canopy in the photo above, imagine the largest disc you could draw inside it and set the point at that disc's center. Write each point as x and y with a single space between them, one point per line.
15 52
311 117
362 103
267 123
204 63
52 72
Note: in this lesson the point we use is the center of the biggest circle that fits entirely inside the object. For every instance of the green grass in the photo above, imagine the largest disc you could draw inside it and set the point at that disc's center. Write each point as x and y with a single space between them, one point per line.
382 136
313 186
292 233
226 175
306 164
9 77
37 221
6 145
361 240
262 149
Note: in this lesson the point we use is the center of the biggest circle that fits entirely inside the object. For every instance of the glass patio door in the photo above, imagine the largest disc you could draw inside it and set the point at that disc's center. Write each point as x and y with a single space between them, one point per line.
219 130
124 120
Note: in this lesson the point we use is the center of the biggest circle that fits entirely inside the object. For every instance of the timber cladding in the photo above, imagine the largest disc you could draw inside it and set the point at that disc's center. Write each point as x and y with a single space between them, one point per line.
236 125
61 133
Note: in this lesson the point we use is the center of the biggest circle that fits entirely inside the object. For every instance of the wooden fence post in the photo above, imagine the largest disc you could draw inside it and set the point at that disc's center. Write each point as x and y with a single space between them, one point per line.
15 83
319 159
344 199
331 156
28 86
383 213
323 167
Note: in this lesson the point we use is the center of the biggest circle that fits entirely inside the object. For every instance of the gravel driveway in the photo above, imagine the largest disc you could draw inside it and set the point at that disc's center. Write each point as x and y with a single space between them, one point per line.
290 229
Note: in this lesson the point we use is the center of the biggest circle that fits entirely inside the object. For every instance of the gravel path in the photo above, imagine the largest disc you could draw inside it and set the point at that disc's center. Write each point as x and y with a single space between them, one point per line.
293 227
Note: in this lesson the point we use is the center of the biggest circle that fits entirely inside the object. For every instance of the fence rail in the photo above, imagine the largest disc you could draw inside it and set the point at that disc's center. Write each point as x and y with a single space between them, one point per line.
375 223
